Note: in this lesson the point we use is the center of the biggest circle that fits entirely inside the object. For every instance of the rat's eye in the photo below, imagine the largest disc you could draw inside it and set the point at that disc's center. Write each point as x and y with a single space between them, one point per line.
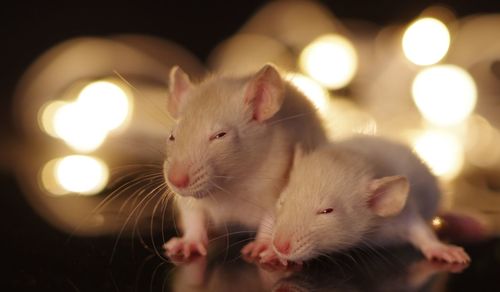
325 211
217 135
171 137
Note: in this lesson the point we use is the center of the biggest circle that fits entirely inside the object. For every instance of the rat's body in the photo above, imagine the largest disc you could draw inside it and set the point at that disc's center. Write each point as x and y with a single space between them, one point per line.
230 152
365 191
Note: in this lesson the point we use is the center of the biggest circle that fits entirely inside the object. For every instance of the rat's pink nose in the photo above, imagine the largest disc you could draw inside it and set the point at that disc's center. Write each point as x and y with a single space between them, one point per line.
179 180
282 246
178 176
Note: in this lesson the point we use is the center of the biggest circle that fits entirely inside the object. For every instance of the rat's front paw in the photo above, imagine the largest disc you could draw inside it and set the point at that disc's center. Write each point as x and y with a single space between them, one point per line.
447 253
181 248
253 250
261 251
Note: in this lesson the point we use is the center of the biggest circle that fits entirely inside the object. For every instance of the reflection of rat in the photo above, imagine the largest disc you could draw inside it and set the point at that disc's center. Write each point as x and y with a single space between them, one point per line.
363 191
230 152
393 269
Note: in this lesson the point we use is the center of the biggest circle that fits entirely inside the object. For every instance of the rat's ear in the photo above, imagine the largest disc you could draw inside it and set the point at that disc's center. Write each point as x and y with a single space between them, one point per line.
265 92
388 195
179 86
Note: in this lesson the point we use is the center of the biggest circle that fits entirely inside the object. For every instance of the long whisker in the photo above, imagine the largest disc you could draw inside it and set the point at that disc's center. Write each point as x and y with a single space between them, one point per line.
145 199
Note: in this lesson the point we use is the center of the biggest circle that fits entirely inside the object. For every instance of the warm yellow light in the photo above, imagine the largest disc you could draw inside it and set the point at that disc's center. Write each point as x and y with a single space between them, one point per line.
78 128
437 223
84 124
444 94
47 114
426 41
48 179
441 151
482 142
331 60
107 102
312 90
81 174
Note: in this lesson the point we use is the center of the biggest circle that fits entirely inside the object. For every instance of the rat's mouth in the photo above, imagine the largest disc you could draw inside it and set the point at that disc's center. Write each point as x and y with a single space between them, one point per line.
297 253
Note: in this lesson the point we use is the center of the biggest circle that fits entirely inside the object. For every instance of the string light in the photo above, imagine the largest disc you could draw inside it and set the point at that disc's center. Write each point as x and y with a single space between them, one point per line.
444 94
426 41
312 90
331 60
81 174
441 151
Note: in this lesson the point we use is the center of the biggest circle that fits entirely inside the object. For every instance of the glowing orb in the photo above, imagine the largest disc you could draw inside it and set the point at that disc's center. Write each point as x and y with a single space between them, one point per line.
426 41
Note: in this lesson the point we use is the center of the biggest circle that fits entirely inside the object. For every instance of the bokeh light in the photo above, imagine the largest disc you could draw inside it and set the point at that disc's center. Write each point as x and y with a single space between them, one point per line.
80 129
81 174
444 94
49 181
47 115
108 103
331 60
426 41
345 118
441 151
84 124
482 142
437 223
312 90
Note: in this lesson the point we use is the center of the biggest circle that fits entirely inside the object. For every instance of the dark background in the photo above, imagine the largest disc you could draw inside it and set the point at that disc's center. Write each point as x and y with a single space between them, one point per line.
38 257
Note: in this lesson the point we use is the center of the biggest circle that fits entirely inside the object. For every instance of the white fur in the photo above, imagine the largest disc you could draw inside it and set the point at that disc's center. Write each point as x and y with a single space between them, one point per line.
339 176
236 179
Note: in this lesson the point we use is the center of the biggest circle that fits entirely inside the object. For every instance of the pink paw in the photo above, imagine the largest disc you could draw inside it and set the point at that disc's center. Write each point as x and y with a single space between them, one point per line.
181 249
254 249
446 253
263 253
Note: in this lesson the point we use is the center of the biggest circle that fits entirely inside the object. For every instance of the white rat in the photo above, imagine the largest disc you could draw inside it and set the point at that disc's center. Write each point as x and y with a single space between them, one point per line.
365 191
230 151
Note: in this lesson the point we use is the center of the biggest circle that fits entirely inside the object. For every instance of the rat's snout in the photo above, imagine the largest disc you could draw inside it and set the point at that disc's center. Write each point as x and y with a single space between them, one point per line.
178 175
282 246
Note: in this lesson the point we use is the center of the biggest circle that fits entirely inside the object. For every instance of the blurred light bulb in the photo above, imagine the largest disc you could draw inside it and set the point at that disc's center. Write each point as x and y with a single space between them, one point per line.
437 223
81 174
48 179
312 90
331 60
426 41
107 102
444 94
441 151
78 128
47 115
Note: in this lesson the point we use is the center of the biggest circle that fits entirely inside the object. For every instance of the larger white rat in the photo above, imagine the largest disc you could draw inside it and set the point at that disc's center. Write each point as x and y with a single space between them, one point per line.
365 191
230 152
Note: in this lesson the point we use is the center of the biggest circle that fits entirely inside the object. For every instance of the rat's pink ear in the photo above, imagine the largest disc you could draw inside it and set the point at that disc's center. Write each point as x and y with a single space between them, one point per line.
388 195
179 86
265 92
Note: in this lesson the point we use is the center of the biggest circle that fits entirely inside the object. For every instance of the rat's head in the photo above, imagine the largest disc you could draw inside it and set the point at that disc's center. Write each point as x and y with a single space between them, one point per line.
220 127
330 202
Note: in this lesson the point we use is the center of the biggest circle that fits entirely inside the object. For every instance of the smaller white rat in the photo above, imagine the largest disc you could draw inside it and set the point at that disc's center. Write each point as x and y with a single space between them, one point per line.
365 191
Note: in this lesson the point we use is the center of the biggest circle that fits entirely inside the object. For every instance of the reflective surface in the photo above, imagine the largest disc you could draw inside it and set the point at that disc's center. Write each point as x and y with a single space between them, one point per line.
39 258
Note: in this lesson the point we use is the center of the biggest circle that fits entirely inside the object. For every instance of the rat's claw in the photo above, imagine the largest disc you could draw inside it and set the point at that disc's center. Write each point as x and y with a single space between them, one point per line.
201 248
267 256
